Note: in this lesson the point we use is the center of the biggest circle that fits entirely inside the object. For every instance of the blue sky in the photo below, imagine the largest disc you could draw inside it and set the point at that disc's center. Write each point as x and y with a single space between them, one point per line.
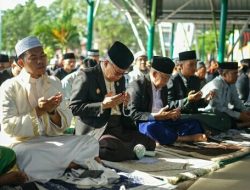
10 4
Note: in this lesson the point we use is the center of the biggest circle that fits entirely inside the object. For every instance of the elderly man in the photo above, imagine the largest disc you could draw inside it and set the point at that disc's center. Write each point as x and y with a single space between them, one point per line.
68 62
99 102
34 117
140 66
151 111
226 98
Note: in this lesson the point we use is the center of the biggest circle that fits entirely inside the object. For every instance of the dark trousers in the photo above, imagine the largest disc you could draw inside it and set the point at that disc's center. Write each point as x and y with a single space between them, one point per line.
118 142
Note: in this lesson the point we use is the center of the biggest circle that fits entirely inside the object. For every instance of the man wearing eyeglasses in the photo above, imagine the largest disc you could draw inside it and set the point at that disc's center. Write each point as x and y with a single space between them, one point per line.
98 101
151 111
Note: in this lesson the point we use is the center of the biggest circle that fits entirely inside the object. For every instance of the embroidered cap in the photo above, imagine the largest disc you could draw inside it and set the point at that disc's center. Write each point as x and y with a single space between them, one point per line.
120 55
26 44
187 55
163 64
140 54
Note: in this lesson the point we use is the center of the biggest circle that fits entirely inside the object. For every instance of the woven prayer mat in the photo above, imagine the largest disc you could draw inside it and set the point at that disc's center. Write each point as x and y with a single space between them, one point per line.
235 137
168 166
214 151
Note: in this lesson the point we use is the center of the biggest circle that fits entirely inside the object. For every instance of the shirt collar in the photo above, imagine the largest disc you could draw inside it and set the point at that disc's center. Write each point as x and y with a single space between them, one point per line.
26 77
154 88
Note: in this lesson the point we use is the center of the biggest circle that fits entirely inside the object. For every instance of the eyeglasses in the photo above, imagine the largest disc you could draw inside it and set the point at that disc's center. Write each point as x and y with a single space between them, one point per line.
117 72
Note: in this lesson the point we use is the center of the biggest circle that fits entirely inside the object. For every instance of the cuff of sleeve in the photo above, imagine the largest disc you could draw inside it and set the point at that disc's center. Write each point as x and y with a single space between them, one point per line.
151 117
101 110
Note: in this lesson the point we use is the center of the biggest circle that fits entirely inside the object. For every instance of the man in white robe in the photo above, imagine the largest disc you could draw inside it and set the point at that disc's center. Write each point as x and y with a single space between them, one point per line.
33 117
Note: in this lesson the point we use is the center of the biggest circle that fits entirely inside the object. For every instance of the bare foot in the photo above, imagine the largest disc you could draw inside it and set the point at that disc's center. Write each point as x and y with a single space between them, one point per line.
98 159
13 178
192 138
73 165
199 137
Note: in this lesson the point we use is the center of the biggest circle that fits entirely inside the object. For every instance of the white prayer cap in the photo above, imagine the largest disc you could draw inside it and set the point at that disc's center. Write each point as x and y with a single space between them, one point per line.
26 44
140 54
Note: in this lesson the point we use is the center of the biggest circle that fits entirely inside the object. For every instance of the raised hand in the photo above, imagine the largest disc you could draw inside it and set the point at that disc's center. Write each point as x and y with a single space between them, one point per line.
165 113
194 96
210 95
126 98
50 104
112 100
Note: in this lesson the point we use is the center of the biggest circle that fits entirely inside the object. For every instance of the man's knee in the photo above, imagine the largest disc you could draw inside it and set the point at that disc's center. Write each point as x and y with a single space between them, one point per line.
115 150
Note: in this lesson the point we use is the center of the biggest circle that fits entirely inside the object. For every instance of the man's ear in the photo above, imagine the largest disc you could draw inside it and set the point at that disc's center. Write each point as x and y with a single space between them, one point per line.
106 63
20 62
154 74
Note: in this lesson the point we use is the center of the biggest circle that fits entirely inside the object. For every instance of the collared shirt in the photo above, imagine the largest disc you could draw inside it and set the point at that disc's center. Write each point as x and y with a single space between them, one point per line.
157 102
226 98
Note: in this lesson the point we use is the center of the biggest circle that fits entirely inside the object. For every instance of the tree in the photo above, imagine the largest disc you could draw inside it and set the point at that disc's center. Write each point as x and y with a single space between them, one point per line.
20 22
59 33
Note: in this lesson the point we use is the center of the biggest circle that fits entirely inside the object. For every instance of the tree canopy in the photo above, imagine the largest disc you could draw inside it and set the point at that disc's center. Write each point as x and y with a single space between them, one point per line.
64 23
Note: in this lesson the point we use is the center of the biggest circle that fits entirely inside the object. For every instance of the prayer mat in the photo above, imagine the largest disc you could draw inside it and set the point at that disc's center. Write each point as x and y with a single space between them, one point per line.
167 166
214 151
235 137
61 185
131 181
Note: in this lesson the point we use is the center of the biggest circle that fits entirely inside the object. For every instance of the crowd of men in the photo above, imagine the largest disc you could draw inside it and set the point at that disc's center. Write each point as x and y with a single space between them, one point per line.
117 103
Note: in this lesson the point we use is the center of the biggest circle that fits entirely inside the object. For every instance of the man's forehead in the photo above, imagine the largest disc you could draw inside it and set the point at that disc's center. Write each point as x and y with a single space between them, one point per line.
116 67
34 51
193 61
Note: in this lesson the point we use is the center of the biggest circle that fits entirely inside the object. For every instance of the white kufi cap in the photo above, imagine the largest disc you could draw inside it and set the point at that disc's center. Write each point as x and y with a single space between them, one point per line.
140 54
27 44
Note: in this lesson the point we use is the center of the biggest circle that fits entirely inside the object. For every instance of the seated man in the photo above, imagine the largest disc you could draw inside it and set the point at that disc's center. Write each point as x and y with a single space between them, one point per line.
184 92
201 73
8 73
149 101
226 98
68 80
34 117
184 87
8 160
4 62
93 54
140 66
68 62
98 100
242 83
